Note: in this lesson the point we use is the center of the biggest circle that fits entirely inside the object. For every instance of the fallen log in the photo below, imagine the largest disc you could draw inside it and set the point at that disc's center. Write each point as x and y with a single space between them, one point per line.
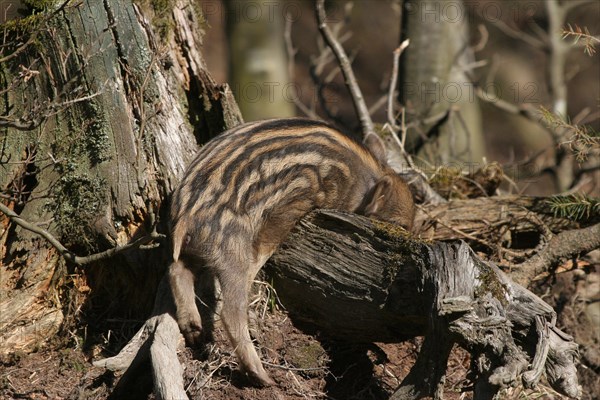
360 280
365 281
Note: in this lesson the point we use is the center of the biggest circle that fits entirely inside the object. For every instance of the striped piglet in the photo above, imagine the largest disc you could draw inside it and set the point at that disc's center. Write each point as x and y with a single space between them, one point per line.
246 190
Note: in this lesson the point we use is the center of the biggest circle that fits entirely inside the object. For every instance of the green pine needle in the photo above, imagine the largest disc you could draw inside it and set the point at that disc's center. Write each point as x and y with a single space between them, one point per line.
575 207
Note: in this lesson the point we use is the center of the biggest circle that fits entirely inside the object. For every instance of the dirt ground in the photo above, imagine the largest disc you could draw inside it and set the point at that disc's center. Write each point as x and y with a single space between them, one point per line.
304 367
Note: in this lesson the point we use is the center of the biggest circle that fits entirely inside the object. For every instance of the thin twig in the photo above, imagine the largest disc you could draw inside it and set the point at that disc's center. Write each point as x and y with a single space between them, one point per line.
20 49
357 98
485 36
516 34
67 254
394 83
400 143
291 53
524 110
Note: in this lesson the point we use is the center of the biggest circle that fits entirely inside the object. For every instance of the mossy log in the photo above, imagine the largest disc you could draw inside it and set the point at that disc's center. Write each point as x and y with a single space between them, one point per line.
360 280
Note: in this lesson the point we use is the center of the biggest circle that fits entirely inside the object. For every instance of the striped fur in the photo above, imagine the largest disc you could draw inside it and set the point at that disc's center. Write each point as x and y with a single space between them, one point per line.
246 190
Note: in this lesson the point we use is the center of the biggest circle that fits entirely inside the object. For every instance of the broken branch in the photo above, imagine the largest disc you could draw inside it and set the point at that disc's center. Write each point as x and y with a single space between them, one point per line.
69 255
357 98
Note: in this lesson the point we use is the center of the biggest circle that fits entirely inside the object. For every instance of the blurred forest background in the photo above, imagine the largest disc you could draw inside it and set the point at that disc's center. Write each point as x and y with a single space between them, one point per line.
504 89
508 56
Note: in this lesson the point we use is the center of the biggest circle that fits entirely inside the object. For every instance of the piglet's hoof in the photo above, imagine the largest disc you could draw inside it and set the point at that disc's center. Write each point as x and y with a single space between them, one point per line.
193 335
259 379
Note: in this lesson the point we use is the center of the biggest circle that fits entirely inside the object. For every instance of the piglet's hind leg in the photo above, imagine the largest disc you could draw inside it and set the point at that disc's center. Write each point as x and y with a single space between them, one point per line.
234 314
181 280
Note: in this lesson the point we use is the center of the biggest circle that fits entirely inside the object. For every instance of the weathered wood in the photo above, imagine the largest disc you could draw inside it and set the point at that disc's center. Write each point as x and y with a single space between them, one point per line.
360 280
485 216
156 341
341 264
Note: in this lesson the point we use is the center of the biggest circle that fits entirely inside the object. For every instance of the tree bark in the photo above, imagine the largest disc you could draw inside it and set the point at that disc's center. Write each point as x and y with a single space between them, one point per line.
435 88
259 73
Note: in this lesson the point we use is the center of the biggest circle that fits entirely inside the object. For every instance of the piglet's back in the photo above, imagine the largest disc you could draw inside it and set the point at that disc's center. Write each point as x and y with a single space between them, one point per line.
247 172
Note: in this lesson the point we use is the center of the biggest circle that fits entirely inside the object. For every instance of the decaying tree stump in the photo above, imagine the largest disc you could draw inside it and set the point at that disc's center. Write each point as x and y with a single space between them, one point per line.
113 103
364 281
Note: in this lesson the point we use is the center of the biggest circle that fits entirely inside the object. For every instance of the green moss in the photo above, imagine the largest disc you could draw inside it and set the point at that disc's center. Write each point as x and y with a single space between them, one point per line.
74 141
391 231
32 12
78 199
404 247
163 16
489 283
306 356
22 25
96 138
446 176
77 365
199 13
42 5
444 181
79 196
381 131
32 15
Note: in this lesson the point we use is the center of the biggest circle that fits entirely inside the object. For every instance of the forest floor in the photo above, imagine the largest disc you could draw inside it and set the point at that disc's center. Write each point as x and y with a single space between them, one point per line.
303 365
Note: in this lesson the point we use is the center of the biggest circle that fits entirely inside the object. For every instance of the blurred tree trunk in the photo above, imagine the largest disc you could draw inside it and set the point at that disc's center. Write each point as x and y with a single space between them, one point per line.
435 88
110 134
258 62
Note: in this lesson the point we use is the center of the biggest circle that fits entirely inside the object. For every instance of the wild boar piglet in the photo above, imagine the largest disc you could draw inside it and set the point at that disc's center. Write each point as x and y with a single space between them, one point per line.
246 190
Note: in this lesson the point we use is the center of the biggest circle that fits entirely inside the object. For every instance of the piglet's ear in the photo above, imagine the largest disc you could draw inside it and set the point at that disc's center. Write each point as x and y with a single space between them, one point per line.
377 196
376 146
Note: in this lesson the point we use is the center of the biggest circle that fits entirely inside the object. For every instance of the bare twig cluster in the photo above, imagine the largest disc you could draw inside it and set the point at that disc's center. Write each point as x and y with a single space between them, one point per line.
581 140
417 178
554 118
321 78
